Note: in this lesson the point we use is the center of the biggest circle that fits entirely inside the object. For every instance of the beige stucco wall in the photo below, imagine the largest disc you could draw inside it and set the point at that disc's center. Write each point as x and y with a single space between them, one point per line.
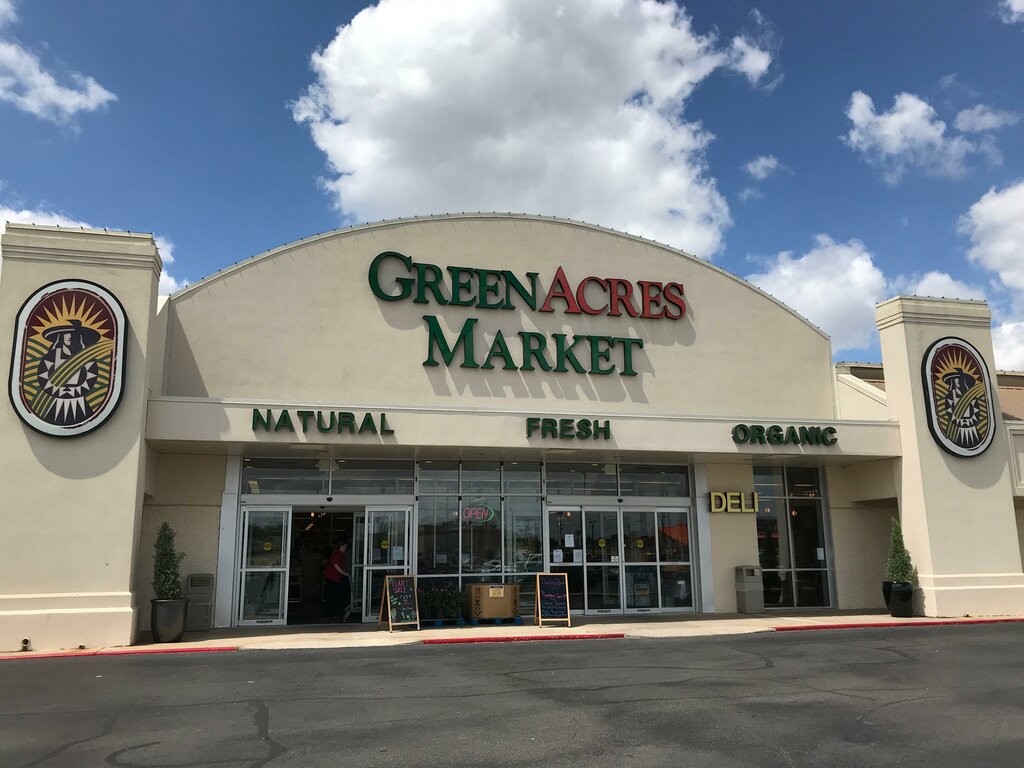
186 480
71 506
185 490
860 537
957 512
302 324
856 399
861 502
197 532
1015 435
733 535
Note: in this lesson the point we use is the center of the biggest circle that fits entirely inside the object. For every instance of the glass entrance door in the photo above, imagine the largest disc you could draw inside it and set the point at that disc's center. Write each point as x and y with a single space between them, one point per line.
386 553
263 581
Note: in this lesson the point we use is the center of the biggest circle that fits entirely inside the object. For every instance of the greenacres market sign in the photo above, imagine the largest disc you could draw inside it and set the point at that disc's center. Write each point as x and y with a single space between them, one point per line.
396 277
324 422
775 434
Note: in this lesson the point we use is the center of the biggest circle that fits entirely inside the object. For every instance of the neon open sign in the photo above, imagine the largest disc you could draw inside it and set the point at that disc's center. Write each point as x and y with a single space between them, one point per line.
477 513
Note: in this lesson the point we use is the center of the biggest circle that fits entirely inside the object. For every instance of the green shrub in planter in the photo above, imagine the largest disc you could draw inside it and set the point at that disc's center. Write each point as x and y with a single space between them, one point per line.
169 611
899 569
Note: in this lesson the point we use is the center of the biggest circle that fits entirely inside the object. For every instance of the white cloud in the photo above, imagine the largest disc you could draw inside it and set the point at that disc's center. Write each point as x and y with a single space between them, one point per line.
808 285
984 118
48 218
1011 11
762 166
908 135
749 60
995 225
166 248
571 109
26 84
1008 343
938 285
8 14
749 193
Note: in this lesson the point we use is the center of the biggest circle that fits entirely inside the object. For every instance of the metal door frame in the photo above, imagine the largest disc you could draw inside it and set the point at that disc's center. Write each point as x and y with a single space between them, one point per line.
546 534
242 569
371 603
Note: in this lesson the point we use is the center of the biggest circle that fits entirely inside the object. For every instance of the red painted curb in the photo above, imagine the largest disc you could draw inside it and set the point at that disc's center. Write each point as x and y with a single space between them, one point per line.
115 652
935 623
522 638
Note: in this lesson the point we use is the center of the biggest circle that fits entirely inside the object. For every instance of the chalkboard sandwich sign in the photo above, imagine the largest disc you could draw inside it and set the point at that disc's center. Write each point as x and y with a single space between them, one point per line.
399 604
552 604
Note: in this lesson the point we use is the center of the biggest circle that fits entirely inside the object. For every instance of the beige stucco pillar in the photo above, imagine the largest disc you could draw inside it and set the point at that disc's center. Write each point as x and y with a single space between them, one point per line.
957 512
71 505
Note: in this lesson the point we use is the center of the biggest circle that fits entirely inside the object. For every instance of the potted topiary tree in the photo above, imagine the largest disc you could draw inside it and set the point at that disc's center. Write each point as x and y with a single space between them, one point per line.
169 610
899 569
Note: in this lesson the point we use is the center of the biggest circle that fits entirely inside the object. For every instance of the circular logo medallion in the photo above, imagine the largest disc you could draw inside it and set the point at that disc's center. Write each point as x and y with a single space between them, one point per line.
958 394
67 367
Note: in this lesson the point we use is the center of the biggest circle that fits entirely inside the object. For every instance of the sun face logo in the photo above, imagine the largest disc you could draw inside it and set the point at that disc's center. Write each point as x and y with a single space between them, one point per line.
959 397
67 369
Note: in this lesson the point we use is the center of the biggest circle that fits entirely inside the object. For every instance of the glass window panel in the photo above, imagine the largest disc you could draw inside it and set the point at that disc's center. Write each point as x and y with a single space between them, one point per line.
439 477
527 593
575 579
803 481
438 535
521 477
676 586
772 534
481 535
262 596
768 481
811 589
564 527
778 589
481 478
638 541
808 533
523 546
583 479
641 586
653 480
603 588
372 477
387 538
602 540
376 578
285 476
266 536
674 537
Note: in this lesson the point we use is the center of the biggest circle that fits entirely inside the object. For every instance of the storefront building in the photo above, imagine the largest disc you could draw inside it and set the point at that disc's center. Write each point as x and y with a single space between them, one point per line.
478 398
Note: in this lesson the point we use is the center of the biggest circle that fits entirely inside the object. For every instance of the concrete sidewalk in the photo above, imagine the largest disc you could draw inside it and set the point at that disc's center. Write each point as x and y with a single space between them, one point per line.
369 636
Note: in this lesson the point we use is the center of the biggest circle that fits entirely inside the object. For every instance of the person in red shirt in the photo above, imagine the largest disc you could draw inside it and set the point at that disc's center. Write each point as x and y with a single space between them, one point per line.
337 584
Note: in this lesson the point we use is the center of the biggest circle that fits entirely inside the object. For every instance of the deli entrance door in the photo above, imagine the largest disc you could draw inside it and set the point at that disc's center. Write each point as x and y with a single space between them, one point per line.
387 552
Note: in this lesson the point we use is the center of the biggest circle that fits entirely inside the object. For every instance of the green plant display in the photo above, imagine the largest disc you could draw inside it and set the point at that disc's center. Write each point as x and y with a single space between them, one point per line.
439 601
898 568
166 565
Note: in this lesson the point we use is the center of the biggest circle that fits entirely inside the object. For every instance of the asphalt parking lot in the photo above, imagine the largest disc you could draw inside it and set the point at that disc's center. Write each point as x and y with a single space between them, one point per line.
935 696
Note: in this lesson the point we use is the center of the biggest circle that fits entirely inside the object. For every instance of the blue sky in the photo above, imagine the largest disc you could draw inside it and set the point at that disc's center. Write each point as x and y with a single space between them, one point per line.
834 153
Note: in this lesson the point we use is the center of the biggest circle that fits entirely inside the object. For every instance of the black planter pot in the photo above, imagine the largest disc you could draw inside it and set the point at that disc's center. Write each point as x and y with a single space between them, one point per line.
887 591
901 603
167 620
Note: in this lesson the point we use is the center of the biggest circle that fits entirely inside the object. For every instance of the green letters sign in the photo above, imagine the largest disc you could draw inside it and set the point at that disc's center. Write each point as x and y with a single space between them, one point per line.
751 434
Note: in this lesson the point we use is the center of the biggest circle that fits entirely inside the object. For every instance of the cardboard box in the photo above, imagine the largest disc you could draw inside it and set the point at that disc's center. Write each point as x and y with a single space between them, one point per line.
492 601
